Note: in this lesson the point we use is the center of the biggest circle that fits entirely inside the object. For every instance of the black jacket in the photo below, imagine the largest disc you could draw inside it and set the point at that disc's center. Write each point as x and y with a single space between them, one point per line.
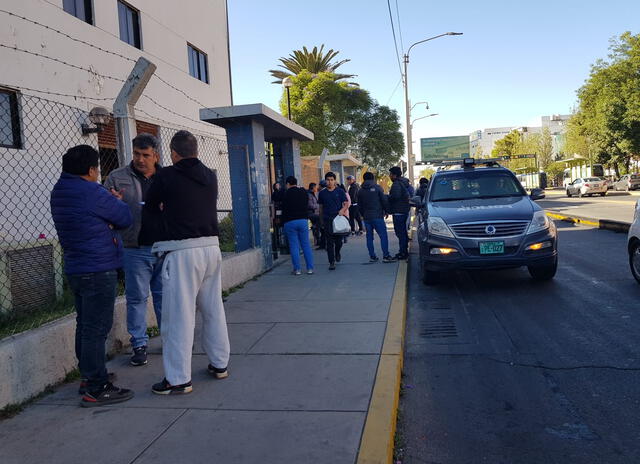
353 192
188 193
295 204
372 201
422 190
399 196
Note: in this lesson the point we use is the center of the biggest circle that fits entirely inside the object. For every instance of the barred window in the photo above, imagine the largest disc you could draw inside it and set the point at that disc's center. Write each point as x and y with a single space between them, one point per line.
198 66
129 20
81 9
9 120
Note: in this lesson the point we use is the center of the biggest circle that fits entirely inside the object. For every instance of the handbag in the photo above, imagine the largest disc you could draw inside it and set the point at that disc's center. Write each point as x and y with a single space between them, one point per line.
341 226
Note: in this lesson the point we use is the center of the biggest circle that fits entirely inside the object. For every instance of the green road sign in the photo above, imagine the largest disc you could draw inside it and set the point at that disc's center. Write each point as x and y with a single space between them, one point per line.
444 148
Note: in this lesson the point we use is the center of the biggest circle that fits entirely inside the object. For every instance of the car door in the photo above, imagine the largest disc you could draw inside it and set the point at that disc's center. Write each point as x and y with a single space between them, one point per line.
620 185
575 186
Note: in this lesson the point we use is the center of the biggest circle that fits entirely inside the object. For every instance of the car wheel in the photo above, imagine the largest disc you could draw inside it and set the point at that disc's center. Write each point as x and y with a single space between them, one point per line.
603 194
634 260
580 195
546 272
568 194
429 277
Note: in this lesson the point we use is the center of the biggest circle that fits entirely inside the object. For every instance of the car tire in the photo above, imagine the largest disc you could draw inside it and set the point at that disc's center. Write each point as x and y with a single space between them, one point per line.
429 277
546 272
580 194
568 194
603 194
634 260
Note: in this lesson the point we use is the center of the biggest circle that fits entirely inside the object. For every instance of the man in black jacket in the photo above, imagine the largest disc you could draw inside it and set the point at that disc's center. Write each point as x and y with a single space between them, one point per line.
374 206
187 194
399 206
354 211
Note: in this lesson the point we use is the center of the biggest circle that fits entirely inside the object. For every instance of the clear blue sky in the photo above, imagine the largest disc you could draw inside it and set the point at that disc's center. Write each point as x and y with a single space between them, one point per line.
515 62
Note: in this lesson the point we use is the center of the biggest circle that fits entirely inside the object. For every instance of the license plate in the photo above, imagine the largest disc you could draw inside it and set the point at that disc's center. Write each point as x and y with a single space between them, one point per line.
491 248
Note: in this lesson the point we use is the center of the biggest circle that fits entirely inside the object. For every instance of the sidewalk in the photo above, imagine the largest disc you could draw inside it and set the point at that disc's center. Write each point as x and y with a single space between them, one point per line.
305 353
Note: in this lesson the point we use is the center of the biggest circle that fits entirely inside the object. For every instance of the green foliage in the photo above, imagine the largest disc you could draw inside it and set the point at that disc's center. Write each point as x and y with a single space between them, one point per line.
545 148
427 172
378 140
227 234
506 146
314 61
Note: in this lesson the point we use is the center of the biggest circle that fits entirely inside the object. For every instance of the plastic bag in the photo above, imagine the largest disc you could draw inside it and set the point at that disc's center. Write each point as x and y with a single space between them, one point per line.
341 226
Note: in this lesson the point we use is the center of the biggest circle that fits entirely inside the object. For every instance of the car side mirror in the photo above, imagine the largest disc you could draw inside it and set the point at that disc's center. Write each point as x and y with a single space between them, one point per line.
417 201
537 194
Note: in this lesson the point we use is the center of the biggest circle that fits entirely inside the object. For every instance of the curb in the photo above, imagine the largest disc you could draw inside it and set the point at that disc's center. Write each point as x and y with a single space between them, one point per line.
606 224
377 442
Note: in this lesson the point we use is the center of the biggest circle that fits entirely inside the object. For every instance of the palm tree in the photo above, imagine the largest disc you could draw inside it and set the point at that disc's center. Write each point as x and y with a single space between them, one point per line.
315 62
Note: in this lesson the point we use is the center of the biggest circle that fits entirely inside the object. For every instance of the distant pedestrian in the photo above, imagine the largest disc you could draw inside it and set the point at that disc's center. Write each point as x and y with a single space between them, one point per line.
295 214
314 212
354 211
141 267
399 207
374 206
187 195
333 202
423 187
87 218
322 243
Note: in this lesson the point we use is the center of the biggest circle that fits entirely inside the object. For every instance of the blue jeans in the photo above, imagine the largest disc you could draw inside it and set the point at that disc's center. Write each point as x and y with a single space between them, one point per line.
400 228
142 270
95 297
298 235
381 228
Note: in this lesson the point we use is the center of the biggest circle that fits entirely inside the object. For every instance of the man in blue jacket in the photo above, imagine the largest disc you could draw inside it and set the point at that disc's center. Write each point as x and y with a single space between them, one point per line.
87 218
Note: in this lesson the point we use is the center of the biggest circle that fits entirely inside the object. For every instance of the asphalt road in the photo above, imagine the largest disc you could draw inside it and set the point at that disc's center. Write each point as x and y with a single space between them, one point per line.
617 206
501 369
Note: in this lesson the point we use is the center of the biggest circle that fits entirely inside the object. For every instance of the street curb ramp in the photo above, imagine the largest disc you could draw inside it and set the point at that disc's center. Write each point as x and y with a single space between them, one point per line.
606 224
377 442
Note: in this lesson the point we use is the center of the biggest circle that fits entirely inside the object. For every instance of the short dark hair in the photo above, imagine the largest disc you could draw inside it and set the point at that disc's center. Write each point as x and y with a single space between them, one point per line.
311 185
424 180
396 171
329 174
291 180
185 144
145 140
79 159
368 176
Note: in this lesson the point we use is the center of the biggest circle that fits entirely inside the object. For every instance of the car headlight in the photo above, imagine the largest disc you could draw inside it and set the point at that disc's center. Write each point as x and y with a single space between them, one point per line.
539 222
437 226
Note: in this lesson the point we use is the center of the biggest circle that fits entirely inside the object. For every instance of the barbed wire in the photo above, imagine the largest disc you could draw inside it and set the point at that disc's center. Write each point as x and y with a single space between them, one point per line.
57 94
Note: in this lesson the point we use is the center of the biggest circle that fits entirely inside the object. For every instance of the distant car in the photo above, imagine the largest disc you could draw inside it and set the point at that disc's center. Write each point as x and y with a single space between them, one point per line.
634 244
608 181
628 182
587 186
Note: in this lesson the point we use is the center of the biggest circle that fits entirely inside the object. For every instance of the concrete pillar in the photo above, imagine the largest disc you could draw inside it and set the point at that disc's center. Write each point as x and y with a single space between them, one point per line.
289 151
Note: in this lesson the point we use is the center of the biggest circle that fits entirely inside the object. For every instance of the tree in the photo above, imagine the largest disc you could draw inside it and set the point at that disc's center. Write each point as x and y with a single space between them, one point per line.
545 148
314 61
379 142
427 172
506 145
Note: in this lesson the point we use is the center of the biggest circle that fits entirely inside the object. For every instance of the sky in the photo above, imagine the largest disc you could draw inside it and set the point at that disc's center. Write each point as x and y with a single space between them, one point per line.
516 61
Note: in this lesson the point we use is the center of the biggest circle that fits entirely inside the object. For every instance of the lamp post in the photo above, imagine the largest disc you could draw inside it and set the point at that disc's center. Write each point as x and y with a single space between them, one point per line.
410 158
287 82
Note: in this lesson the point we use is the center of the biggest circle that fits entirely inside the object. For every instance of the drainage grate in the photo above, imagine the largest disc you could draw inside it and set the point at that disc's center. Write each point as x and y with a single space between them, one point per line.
439 327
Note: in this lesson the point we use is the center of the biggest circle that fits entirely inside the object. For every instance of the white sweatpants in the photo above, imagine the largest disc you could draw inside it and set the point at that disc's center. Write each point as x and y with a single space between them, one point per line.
191 280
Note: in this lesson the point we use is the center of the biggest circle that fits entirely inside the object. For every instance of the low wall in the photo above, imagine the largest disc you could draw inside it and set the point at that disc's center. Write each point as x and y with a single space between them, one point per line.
32 360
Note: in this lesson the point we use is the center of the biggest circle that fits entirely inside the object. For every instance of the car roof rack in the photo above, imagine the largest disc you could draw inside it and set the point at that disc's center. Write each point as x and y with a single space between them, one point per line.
468 163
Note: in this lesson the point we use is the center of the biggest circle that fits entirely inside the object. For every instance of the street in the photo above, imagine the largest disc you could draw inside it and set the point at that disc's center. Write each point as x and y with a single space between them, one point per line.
501 369
617 206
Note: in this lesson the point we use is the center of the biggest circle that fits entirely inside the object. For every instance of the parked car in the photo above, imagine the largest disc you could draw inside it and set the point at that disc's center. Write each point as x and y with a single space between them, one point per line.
628 182
587 186
478 216
634 244
608 181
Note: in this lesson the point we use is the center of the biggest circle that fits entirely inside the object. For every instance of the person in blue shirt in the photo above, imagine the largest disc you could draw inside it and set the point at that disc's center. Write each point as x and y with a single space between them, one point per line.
333 201
87 219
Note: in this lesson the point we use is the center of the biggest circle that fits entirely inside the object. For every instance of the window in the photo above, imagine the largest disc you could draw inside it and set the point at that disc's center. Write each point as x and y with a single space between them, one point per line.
198 64
129 25
81 9
9 120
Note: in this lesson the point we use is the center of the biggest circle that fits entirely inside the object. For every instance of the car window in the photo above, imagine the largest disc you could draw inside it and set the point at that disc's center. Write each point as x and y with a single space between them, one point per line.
577 181
592 179
635 176
474 184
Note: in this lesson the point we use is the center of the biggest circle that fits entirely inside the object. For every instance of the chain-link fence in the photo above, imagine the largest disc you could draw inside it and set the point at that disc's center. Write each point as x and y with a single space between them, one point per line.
34 134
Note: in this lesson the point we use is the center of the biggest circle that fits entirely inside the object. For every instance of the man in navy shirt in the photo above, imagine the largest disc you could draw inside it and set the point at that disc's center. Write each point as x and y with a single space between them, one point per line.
333 202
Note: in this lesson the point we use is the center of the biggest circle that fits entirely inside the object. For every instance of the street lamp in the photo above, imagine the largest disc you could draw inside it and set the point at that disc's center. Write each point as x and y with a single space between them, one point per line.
410 158
422 117
287 82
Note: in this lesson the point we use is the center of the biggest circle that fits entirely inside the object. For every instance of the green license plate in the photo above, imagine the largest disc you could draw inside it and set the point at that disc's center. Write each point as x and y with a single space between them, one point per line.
491 248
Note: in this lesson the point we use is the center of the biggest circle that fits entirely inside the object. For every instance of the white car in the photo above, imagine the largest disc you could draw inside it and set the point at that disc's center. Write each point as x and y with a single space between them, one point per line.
587 186
634 243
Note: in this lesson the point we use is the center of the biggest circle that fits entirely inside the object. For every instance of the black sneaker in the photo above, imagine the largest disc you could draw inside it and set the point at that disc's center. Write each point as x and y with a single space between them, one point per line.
388 259
139 357
111 376
338 257
332 266
373 259
109 394
218 373
165 388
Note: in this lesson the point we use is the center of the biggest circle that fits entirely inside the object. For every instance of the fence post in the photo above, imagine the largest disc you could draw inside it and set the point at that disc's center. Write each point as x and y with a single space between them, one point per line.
123 107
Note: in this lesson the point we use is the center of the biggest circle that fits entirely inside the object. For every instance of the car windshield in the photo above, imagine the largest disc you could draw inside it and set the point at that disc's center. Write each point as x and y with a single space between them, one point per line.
592 179
475 184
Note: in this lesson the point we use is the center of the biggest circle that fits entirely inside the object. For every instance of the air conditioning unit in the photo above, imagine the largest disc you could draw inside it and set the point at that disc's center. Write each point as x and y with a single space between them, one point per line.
31 274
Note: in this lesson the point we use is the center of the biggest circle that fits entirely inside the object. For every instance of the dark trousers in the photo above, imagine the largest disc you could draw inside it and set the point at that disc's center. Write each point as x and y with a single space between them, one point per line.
333 242
400 228
355 216
315 228
95 296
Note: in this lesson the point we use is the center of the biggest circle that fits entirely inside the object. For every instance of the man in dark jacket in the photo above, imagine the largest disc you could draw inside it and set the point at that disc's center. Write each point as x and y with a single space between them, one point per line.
141 267
423 187
354 211
187 195
295 216
374 206
333 202
87 217
399 207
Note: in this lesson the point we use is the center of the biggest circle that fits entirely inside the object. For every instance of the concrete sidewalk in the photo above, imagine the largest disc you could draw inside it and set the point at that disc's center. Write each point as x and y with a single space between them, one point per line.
305 354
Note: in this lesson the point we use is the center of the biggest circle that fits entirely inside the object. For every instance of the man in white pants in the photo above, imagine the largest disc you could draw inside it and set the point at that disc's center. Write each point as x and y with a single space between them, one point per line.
187 194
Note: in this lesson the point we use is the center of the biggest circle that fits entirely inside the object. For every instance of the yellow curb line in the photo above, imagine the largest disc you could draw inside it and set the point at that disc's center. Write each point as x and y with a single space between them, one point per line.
573 219
376 445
